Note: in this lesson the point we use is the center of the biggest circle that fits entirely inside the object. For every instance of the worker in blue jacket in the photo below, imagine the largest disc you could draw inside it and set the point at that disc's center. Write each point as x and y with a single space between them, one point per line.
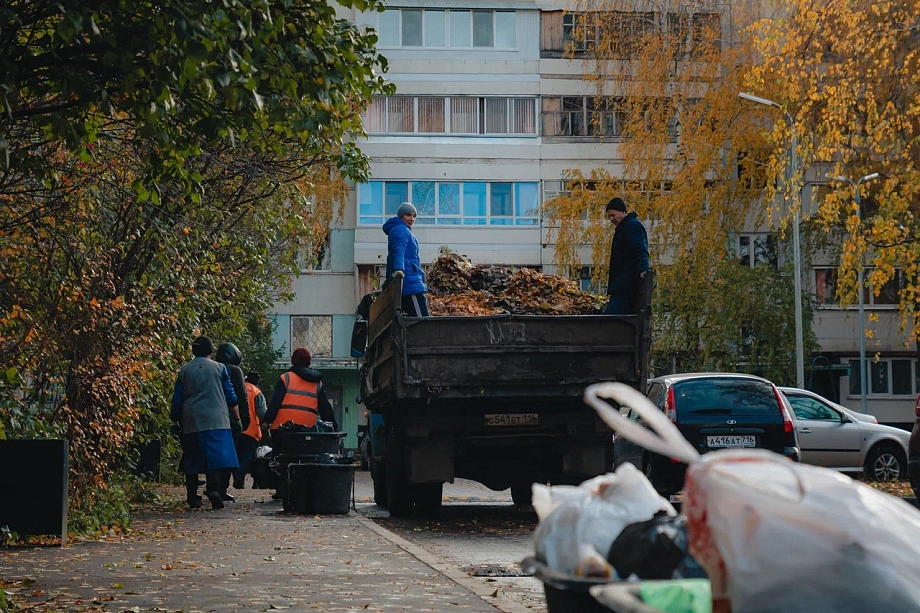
403 260
205 406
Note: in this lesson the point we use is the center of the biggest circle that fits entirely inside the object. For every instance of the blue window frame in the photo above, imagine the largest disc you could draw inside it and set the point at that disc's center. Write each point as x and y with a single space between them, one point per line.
470 203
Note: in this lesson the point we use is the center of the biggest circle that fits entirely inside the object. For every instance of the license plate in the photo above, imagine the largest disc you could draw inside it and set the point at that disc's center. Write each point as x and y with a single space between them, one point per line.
513 419
731 441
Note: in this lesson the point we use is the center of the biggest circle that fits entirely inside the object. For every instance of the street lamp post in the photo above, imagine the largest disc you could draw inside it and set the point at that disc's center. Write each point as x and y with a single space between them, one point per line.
863 374
791 168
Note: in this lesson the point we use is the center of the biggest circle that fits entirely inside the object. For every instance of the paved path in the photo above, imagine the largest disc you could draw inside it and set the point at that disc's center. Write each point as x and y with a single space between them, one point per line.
247 557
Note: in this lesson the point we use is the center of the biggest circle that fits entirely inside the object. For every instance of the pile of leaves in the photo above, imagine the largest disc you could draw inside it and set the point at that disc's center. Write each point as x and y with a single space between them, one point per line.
459 287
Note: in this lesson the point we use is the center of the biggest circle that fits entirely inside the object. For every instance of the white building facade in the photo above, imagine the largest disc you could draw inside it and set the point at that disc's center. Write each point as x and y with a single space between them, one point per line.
486 118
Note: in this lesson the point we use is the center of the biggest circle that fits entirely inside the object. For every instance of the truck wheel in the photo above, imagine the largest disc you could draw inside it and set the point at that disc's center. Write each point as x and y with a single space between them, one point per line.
650 468
379 476
522 494
428 499
399 496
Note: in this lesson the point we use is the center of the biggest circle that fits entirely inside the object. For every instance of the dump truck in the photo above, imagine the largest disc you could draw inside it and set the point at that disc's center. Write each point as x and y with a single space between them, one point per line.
496 399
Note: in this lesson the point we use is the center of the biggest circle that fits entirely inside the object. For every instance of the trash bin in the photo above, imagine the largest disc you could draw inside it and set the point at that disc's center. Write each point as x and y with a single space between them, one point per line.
301 444
319 488
565 593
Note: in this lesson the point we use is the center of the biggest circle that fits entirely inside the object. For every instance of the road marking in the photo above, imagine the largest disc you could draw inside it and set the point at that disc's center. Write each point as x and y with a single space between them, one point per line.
480 588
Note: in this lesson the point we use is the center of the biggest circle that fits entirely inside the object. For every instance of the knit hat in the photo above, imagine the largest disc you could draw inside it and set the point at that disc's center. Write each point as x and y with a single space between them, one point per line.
405 208
616 204
228 353
301 357
202 346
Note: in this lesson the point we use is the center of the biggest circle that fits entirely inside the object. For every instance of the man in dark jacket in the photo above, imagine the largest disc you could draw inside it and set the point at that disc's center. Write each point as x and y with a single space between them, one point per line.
629 259
205 405
230 356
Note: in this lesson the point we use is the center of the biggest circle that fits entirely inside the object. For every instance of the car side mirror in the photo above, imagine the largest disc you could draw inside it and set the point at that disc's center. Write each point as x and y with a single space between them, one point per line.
845 419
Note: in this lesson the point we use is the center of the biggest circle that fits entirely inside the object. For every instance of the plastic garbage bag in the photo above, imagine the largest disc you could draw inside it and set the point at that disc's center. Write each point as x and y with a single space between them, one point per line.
596 516
654 549
680 596
263 452
778 536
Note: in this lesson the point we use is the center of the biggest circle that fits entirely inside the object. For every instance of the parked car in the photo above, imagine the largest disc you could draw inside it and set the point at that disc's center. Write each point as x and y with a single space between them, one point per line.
712 411
836 437
913 452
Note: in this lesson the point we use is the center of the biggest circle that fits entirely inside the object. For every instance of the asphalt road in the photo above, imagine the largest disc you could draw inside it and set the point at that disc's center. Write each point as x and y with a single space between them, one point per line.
479 533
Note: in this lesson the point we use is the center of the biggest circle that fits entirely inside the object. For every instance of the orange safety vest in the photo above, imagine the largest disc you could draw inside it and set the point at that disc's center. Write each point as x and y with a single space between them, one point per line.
300 403
253 430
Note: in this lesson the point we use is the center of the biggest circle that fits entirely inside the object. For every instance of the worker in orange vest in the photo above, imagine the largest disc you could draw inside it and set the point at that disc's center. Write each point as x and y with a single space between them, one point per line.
248 440
299 397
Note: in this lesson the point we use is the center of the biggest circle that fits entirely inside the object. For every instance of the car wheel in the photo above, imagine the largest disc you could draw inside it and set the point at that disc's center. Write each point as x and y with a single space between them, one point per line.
885 463
650 468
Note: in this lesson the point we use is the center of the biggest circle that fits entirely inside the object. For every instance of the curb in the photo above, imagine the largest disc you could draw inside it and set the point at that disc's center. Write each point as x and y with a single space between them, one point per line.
500 602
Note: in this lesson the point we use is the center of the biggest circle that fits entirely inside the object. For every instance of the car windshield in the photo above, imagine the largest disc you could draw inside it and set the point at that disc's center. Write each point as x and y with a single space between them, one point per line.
725 396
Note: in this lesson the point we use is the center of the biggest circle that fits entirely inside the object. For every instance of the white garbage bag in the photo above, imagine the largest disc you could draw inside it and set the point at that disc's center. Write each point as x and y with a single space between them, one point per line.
776 536
593 516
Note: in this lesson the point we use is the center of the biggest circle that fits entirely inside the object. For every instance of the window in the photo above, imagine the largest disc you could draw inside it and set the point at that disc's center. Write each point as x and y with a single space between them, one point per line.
502 206
587 284
313 332
628 30
438 29
452 203
431 117
826 285
454 115
505 30
435 29
460 33
483 33
889 377
388 29
411 28
583 116
826 288
809 408
756 249
887 293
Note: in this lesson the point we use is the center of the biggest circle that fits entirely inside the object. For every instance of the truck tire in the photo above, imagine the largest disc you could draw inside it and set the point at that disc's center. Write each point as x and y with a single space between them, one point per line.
428 499
399 495
651 469
522 494
379 477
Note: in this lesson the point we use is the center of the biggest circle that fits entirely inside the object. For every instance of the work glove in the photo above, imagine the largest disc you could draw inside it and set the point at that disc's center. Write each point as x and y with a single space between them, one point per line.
399 274
236 427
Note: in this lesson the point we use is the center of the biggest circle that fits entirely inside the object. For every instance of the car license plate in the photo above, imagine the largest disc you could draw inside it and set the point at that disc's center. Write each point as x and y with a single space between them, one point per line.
733 440
513 419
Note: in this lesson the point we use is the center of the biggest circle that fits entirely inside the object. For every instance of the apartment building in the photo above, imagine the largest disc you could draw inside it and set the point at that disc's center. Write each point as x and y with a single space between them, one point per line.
486 118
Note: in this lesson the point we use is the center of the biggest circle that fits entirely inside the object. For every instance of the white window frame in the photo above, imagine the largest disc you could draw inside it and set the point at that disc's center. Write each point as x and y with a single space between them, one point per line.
447 29
870 362
481 102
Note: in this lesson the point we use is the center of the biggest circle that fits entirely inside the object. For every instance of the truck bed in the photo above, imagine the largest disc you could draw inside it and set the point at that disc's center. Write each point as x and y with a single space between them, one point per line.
495 356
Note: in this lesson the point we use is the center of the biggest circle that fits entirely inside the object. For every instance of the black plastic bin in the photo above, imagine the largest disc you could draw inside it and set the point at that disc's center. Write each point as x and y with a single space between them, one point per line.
319 488
565 593
263 475
300 444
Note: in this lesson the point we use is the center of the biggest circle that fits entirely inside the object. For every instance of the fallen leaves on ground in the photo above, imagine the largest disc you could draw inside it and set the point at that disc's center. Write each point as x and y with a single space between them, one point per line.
895 488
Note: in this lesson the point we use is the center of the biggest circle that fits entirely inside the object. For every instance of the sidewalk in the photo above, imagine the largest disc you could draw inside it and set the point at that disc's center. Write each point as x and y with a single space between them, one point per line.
249 556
